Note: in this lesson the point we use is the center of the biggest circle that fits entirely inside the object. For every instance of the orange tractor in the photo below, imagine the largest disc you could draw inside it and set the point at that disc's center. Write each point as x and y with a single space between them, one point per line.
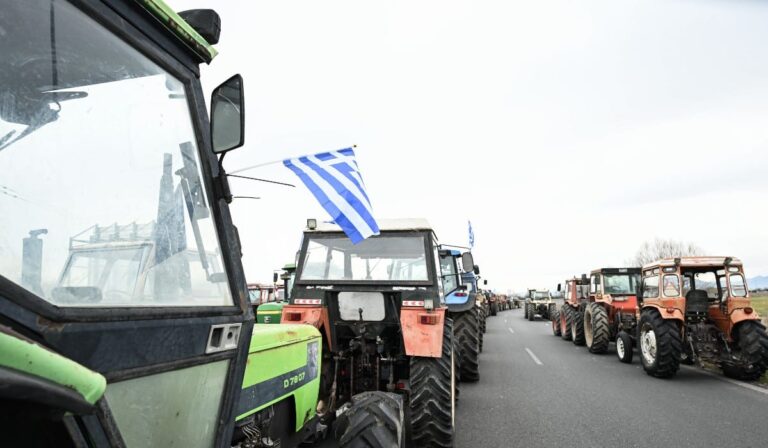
699 309
576 292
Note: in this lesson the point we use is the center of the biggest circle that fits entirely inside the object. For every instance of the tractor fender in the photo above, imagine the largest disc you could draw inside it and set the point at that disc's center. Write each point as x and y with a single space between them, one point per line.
676 314
423 331
739 315
461 307
317 316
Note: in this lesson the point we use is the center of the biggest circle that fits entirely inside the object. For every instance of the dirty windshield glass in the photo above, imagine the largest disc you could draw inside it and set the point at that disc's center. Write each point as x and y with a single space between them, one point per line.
620 284
387 258
101 192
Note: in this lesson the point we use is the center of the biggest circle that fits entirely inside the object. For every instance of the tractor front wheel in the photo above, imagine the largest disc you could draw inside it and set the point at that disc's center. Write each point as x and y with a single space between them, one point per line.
531 312
752 343
374 419
565 322
597 333
556 323
577 326
432 405
624 347
660 344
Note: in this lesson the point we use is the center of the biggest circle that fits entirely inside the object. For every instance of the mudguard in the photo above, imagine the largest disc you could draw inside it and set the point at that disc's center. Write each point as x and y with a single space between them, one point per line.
423 331
458 304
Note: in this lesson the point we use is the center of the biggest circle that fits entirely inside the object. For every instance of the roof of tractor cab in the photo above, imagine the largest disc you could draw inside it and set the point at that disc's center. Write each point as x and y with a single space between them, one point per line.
180 28
384 225
616 271
710 261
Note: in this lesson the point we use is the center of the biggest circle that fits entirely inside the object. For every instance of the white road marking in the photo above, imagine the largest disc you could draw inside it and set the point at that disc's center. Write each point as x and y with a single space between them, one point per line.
535 359
511 330
751 387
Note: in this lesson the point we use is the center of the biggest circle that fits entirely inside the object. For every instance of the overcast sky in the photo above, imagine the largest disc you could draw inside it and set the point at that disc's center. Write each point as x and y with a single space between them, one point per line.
568 132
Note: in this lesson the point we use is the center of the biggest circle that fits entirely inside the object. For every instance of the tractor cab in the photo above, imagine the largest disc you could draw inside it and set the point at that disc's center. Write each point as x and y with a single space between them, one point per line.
615 285
460 296
135 332
701 305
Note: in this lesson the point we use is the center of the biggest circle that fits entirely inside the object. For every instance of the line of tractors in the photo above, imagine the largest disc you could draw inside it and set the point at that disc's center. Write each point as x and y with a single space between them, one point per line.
684 310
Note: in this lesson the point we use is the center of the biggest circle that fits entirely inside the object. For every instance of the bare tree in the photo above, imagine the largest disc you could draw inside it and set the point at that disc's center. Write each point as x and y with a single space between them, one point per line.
661 248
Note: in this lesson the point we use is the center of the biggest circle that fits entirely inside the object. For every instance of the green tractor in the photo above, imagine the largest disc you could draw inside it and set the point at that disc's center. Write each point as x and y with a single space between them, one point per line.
270 311
140 333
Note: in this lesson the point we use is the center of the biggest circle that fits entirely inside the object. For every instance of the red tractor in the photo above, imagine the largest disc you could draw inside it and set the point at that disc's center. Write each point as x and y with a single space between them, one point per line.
388 341
609 309
699 309
576 292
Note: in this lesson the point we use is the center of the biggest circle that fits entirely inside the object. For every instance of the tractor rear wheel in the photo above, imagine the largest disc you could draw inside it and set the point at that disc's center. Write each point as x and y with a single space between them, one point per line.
374 420
466 330
624 347
531 312
525 311
660 344
577 326
494 308
432 405
556 323
565 322
597 333
752 343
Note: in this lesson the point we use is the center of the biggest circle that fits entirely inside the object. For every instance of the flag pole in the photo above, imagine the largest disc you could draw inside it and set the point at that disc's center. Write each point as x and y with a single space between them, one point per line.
275 162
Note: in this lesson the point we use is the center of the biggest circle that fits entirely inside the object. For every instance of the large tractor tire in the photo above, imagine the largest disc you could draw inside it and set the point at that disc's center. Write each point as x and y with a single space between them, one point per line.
433 390
660 344
531 312
466 329
556 323
375 420
624 347
494 309
752 343
597 333
577 326
525 311
565 322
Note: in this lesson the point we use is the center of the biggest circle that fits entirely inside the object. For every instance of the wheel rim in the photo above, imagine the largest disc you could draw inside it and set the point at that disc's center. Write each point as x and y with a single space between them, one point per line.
562 323
620 347
648 345
588 327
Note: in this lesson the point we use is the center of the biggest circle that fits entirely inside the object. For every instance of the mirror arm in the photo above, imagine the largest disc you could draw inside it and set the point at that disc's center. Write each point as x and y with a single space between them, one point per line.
221 188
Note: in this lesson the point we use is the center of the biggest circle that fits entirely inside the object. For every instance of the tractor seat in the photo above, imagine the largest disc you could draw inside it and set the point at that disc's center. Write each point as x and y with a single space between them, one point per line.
696 302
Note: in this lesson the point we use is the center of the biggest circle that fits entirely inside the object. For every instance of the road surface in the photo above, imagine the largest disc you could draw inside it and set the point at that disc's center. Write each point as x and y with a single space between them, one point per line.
537 390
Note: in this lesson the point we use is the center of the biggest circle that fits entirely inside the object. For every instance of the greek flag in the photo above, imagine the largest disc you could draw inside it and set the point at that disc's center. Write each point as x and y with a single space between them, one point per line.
334 179
471 235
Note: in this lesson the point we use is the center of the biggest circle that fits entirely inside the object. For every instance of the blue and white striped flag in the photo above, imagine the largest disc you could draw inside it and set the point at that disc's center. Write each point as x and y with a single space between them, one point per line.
471 235
334 179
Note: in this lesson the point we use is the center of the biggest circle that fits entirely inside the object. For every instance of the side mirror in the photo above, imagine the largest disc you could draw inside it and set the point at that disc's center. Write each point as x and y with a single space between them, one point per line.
205 21
274 277
485 282
559 287
476 270
468 263
228 115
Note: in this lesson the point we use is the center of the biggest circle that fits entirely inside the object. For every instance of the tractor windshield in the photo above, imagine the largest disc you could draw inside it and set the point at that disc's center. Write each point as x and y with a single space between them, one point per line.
620 284
540 295
95 135
381 258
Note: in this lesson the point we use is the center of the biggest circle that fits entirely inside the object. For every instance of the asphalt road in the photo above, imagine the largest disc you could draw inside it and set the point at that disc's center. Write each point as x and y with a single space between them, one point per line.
537 390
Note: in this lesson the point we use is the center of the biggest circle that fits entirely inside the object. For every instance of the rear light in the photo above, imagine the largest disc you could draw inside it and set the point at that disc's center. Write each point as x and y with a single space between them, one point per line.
461 294
308 301
670 310
428 319
748 310
418 303
293 317
401 385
